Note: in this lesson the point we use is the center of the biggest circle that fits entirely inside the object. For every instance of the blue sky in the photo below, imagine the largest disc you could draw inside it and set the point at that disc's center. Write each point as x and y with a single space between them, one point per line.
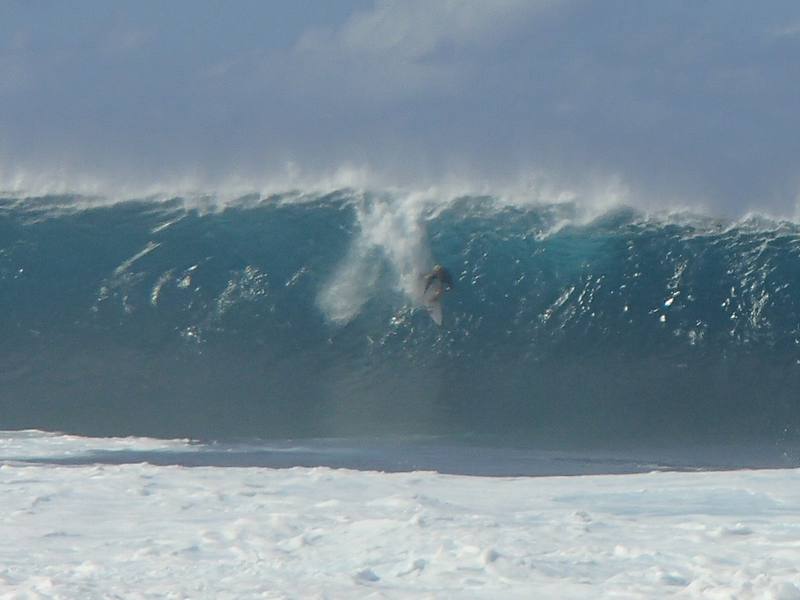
687 102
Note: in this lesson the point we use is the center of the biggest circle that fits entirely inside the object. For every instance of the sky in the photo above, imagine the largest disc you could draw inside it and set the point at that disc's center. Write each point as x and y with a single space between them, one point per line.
682 103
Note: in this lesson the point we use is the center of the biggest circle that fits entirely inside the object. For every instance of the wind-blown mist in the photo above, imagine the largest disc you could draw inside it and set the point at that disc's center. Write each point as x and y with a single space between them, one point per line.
650 104
391 233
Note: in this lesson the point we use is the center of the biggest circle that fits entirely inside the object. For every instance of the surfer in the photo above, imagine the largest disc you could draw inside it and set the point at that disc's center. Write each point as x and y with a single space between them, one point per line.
440 278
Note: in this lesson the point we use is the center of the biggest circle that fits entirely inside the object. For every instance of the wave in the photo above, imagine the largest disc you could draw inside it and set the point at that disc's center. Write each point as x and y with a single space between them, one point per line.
299 315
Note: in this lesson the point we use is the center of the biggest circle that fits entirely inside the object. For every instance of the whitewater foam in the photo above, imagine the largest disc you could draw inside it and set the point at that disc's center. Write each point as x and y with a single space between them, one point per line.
391 232
212 532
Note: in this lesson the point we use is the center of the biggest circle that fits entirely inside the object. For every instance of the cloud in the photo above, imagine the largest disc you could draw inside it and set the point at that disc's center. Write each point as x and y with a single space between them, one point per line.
788 30
397 51
674 103
415 30
126 39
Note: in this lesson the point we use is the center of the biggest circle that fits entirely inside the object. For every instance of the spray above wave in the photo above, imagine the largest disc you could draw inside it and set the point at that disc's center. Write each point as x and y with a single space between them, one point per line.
390 233
290 318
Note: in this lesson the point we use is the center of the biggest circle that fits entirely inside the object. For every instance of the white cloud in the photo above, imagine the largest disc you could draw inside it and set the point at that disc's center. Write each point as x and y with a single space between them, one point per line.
680 102
413 29
127 39
405 48
788 30
14 76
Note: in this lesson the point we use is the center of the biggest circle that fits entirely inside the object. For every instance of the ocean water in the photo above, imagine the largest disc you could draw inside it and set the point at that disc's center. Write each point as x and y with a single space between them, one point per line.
245 399
297 316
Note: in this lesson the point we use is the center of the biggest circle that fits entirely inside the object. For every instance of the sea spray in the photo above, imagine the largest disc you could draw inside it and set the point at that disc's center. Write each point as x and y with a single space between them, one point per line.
391 235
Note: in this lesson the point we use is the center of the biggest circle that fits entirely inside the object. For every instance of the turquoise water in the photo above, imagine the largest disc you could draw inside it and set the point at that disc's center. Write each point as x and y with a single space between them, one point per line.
291 317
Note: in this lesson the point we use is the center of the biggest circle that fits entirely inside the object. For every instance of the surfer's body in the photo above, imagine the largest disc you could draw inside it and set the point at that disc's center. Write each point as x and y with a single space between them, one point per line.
438 281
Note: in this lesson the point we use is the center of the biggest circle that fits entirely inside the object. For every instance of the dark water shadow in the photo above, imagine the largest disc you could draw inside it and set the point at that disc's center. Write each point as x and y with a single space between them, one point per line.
433 454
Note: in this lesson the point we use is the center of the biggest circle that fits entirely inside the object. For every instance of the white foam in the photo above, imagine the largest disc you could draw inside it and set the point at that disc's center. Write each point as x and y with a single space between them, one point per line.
142 531
391 234
205 194
35 444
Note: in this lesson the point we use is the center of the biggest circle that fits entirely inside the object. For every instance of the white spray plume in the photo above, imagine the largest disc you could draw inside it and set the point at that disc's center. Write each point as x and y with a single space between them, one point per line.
392 235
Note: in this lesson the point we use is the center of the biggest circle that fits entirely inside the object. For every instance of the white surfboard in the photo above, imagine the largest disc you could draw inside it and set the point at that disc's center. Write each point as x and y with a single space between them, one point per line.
432 301
435 311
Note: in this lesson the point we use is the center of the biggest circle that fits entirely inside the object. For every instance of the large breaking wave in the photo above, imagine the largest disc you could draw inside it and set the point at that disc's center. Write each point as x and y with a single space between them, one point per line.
298 316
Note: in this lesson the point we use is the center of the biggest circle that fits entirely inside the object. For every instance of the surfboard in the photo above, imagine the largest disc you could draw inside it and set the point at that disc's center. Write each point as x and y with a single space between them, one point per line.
432 303
435 311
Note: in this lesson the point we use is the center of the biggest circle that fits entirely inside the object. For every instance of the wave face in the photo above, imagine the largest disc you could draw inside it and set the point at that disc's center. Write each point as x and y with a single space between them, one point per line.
290 317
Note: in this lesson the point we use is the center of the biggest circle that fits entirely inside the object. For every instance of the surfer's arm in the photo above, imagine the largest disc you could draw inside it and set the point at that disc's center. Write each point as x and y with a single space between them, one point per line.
428 280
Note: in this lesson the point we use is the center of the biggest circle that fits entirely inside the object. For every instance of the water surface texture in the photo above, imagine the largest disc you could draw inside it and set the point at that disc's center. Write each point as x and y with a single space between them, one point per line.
298 316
